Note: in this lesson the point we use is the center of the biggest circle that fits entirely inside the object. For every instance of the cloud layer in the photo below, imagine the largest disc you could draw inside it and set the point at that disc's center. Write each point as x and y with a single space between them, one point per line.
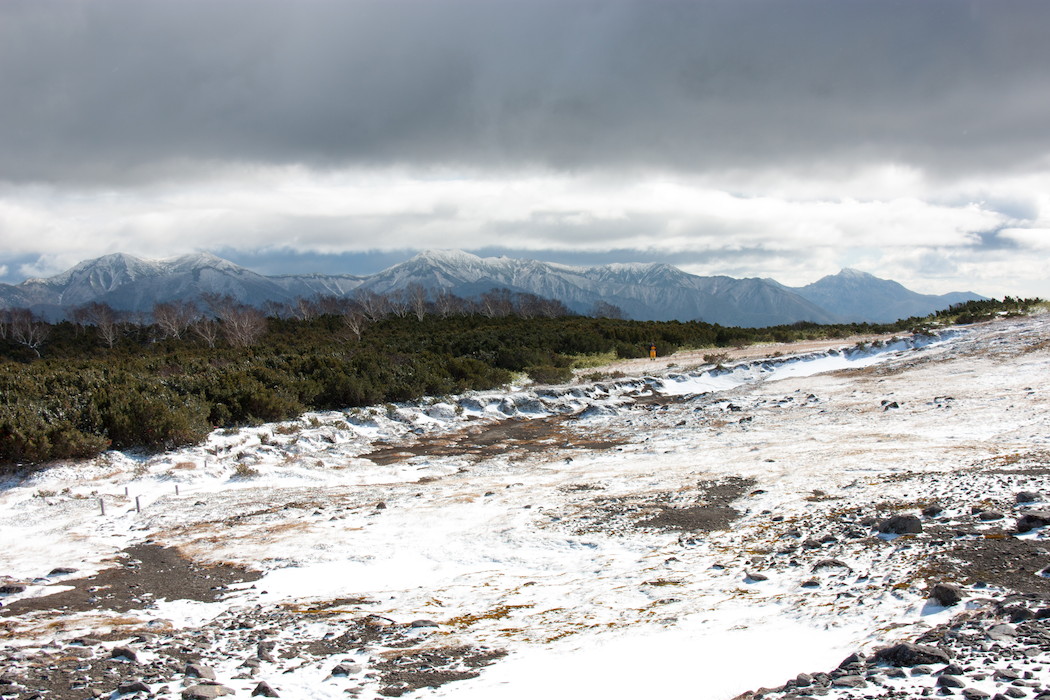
736 137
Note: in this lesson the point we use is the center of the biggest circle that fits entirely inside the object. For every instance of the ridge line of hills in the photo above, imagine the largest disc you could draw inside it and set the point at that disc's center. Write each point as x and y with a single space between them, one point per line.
642 291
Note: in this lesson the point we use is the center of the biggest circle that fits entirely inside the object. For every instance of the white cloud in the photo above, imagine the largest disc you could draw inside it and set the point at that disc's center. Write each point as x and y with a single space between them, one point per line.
778 230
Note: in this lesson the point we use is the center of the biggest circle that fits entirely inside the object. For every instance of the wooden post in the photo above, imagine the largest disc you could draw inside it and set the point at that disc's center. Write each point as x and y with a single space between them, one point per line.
176 489
125 490
138 509
102 506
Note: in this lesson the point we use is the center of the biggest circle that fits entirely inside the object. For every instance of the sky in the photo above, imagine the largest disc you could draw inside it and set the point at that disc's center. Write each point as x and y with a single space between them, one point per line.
751 138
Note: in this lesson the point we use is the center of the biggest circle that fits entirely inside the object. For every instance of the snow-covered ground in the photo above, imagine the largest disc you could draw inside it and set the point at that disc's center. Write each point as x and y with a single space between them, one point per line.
681 534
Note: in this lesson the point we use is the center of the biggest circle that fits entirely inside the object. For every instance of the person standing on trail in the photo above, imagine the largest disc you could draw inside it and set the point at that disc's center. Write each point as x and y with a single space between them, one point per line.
652 351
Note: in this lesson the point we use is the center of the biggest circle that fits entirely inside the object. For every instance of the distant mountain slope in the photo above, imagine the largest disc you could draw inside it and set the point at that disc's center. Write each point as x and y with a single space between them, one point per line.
858 296
650 291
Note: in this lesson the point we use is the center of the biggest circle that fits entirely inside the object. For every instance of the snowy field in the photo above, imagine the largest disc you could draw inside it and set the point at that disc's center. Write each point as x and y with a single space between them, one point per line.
690 533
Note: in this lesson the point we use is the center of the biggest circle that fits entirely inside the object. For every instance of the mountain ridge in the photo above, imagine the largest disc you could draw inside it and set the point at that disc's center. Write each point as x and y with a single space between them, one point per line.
644 291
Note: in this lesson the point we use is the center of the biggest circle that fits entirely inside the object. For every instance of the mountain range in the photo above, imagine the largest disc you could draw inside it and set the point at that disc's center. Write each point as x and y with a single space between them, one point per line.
649 291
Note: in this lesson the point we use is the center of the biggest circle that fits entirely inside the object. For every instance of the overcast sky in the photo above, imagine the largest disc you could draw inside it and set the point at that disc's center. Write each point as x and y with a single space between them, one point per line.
771 138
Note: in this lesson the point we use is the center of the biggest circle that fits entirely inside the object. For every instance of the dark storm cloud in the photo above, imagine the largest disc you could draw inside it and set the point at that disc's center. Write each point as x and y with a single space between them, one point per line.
116 90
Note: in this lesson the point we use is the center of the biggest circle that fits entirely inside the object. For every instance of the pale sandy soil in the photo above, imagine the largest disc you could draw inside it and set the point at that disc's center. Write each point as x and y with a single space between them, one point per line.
688 359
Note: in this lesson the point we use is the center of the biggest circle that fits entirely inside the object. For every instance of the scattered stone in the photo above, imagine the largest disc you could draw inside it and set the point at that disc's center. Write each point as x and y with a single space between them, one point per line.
1032 520
945 594
901 525
12 588
908 654
1002 632
200 671
974 694
264 690
830 564
206 691
948 681
932 511
346 669
125 653
989 515
134 687
62 571
1028 497
416 624
849 682
754 577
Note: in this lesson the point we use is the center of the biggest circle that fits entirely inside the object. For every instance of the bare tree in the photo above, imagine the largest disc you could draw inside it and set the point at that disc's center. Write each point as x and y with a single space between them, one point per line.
330 305
398 302
106 320
446 303
354 318
277 309
375 306
173 318
496 302
208 330
29 330
417 299
242 325
304 309
5 323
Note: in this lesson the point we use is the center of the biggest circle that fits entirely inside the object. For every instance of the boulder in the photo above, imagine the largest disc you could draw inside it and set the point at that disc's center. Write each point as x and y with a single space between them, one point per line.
134 687
1032 520
123 652
949 681
200 671
1028 497
945 594
901 525
264 690
206 691
908 654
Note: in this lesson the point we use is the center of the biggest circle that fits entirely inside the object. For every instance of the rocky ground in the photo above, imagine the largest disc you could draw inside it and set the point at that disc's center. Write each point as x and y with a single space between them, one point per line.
906 499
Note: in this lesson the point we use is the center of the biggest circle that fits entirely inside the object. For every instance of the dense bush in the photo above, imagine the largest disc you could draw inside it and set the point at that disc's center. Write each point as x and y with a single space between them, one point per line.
141 387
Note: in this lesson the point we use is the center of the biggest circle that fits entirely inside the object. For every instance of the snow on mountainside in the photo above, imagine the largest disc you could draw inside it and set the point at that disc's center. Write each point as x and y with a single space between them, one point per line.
649 291
859 296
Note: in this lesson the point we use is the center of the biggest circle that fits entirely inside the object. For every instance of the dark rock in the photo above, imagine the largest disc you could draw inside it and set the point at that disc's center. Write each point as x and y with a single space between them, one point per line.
1032 520
908 654
945 594
810 583
754 577
265 690
124 652
947 681
901 525
932 511
416 624
346 669
803 680
951 670
830 564
135 687
61 571
974 694
1028 497
849 682
10 588
987 515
